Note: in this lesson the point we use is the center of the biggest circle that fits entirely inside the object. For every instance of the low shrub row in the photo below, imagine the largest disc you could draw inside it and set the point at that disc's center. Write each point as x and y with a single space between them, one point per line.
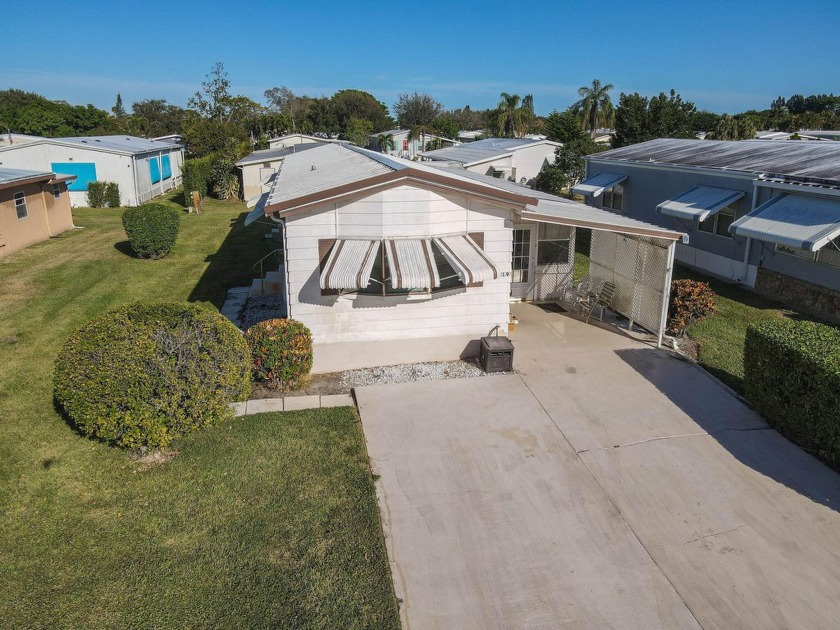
103 195
792 376
151 229
197 174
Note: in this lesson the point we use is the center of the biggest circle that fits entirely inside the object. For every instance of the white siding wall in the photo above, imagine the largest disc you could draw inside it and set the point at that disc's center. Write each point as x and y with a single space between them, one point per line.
485 167
253 173
529 161
410 212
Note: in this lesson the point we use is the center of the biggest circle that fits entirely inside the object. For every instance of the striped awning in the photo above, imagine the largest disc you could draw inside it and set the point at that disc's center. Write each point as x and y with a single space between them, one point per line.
595 185
800 221
411 264
467 259
699 203
349 264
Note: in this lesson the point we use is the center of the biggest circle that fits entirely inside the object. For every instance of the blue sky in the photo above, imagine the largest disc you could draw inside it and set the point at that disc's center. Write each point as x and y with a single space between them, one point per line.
724 56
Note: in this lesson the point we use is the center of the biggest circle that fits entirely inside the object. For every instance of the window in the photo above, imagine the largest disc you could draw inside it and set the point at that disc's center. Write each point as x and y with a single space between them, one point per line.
553 244
719 223
56 191
20 205
380 279
521 255
613 198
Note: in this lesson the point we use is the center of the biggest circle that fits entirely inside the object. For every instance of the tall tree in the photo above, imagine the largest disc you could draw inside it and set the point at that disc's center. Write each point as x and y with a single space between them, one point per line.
416 109
118 109
213 100
385 142
419 132
358 131
283 100
509 121
350 104
156 117
638 119
564 127
595 106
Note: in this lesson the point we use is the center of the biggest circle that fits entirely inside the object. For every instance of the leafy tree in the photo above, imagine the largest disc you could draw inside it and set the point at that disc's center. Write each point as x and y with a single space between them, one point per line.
294 108
358 131
468 119
564 127
446 125
509 116
118 109
213 100
796 104
385 142
638 119
734 128
419 132
355 104
30 113
156 117
416 109
595 106
704 121
779 104
551 180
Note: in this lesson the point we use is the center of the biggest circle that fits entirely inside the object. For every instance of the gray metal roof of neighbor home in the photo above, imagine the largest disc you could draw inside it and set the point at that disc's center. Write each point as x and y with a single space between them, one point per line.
332 171
10 177
482 150
799 221
268 155
788 158
125 145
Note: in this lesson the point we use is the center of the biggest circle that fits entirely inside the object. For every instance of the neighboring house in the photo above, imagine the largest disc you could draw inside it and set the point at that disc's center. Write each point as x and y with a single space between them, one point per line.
407 147
516 159
470 136
802 134
297 139
172 138
764 214
379 248
143 169
33 207
258 167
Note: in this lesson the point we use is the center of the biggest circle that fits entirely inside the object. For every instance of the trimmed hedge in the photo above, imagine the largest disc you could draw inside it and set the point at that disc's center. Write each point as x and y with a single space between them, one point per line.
792 376
281 352
144 374
197 175
690 301
103 194
151 229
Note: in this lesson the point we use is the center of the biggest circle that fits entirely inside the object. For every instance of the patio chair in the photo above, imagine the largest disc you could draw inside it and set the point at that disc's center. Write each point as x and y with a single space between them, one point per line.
584 291
602 300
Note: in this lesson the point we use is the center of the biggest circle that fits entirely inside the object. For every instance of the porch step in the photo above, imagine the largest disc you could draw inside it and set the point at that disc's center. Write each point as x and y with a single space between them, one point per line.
273 284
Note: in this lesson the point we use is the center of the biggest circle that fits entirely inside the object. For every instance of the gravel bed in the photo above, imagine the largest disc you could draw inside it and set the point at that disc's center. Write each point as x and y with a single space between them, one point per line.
428 371
260 308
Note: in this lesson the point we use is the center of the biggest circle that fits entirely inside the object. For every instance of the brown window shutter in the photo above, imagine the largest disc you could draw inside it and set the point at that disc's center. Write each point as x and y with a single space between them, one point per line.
324 247
478 237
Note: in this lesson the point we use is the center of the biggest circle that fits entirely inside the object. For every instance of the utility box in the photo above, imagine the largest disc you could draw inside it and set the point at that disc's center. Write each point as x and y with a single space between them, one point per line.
496 354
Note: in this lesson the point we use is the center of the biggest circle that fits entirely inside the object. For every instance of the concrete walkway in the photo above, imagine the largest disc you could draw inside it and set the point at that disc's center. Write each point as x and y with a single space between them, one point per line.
606 485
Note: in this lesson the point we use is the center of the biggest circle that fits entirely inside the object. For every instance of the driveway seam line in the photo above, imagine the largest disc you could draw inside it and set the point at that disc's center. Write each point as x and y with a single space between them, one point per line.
611 502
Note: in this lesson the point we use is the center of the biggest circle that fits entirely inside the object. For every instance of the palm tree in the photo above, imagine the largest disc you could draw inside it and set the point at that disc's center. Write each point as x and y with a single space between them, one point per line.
385 142
420 131
595 107
510 115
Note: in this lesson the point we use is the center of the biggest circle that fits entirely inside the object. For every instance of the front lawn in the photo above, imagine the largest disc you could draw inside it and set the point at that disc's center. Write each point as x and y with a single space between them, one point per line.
265 521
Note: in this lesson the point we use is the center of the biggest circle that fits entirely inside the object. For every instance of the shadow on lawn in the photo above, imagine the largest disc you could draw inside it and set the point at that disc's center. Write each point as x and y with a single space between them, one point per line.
232 264
732 423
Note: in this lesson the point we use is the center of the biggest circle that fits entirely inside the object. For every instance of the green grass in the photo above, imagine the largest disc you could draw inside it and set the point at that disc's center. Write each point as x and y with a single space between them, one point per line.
265 521
720 337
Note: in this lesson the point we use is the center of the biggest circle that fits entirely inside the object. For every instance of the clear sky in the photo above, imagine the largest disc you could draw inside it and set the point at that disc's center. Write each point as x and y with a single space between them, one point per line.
726 56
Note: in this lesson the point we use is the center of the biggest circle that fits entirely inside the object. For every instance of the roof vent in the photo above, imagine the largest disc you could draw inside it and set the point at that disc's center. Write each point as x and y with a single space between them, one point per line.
98 140
313 167
84 141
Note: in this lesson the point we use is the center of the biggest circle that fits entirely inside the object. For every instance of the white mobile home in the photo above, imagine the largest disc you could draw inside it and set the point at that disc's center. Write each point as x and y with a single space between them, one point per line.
379 248
297 140
143 169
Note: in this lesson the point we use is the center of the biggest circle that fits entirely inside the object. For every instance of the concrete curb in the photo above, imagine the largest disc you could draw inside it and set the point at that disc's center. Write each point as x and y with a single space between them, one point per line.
291 403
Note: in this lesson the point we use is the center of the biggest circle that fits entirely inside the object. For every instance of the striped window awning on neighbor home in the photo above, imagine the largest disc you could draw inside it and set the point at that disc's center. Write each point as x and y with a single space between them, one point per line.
467 258
799 221
699 203
595 185
349 264
411 264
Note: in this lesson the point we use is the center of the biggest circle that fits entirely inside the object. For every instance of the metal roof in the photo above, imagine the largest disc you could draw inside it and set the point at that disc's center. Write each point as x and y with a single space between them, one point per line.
595 185
332 170
790 158
483 150
12 175
268 155
799 221
699 203
125 145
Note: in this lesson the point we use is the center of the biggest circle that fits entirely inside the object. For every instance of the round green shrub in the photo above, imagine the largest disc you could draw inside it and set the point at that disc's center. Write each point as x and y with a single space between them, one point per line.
145 374
690 301
151 229
281 352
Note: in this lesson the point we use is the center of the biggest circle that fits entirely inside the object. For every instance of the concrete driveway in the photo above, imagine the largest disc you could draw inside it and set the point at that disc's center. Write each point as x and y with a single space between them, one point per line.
605 485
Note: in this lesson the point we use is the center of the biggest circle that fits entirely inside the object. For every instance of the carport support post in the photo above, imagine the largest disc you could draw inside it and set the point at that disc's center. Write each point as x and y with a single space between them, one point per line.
666 292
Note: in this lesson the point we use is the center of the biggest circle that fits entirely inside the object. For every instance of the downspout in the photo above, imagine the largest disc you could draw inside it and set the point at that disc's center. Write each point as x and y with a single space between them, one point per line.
666 293
753 206
137 199
282 223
